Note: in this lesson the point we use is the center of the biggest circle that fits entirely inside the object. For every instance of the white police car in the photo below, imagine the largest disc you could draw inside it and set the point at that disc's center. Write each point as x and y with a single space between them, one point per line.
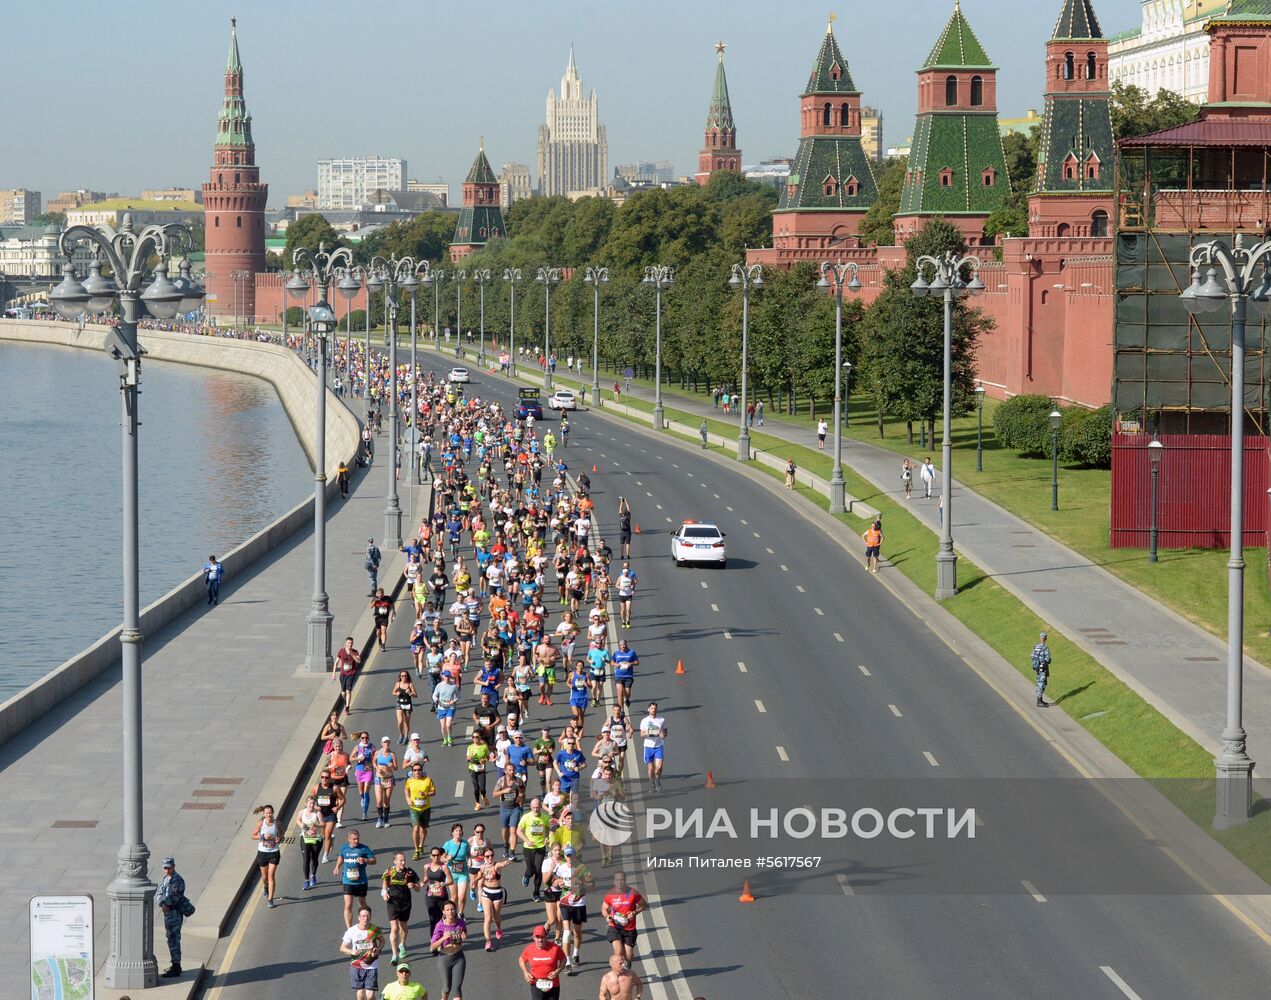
459 375
699 541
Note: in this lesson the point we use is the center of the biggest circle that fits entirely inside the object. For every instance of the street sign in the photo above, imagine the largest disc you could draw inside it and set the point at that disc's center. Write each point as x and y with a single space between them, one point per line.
61 935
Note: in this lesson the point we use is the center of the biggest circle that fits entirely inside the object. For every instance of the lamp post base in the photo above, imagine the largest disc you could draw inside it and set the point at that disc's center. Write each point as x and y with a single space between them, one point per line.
838 494
547 378
595 396
743 445
318 657
658 422
131 964
393 524
1234 788
946 574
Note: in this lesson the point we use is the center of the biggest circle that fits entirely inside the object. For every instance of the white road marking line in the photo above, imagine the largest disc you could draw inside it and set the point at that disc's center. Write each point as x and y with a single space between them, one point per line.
675 465
727 508
930 758
639 482
704 584
603 455
1032 891
645 450
668 521
759 705
717 496
819 612
727 634
838 636
845 885
799 588
781 752
785 568
864 669
744 521
647 493
1118 982
459 789
689 474
715 607
756 534
659 506
742 667
895 711
468 731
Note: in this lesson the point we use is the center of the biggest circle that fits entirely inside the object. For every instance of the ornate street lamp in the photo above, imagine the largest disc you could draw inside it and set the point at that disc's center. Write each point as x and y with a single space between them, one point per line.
513 276
1154 450
596 276
979 426
460 276
745 277
131 963
835 276
481 276
660 276
1056 421
422 275
1245 279
947 283
547 277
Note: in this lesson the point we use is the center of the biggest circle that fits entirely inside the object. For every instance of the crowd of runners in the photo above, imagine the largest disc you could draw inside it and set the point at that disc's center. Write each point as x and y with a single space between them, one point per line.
508 585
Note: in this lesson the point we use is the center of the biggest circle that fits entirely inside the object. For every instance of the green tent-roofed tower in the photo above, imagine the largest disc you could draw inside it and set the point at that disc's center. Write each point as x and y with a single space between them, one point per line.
480 218
956 168
719 150
831 184
1073 193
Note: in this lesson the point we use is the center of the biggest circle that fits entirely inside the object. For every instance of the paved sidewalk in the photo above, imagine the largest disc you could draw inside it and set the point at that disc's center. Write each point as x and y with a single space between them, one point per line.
224 692
1177 666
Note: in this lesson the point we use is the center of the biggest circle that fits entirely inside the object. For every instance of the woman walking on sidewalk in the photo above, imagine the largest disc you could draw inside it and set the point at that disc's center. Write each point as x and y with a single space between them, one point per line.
907 477
267 837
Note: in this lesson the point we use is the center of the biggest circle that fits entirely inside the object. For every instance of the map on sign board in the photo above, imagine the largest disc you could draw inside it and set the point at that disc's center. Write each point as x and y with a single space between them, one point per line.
61 947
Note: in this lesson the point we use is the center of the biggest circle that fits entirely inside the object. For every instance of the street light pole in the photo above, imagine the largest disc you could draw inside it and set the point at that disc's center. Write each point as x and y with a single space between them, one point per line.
947 282
1243 282
438 276
1154 450
1056 421
482 277
979 426
420 276
547 276
131 962
660 276
745 276
460 276
847 394
513 276
840 271
320 268
596 276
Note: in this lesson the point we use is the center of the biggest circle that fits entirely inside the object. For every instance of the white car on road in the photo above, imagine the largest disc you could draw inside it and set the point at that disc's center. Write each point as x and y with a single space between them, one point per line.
562 399
459 375
699 541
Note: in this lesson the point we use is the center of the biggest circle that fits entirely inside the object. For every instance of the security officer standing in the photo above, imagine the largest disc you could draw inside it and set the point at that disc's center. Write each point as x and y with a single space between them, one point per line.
1041 667
702 431
171 900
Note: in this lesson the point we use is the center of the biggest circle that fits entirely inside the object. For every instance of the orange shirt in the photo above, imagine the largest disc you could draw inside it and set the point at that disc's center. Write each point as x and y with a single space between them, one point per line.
339 765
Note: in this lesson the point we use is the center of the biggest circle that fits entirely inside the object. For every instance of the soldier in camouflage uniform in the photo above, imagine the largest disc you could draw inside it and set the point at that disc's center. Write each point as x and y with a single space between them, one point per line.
1041 667
171 900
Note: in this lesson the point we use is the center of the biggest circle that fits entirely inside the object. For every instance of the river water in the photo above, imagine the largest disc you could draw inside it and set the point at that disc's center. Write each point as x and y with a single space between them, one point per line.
219 460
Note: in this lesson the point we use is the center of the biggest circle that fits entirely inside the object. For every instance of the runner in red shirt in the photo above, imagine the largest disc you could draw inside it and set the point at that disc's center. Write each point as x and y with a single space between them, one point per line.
347 660
620 908
541 964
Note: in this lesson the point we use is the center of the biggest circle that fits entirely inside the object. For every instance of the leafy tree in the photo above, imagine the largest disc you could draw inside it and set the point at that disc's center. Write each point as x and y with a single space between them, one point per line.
902 350
1135 113
308 231
425 237
55 219
876 227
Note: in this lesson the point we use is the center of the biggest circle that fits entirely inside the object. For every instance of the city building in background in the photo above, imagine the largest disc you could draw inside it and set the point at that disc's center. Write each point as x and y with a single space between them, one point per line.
346 182
775 172
481 217
573 153
831 183
646 171
414 202
32 252
172 194
18 206
1169 50
1023 125
514 183
144 213
306 199
872 133
957 168
66 200
438 188
233 201
719 150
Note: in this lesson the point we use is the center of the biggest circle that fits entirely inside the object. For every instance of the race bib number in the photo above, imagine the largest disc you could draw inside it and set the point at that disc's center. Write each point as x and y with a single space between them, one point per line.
544 984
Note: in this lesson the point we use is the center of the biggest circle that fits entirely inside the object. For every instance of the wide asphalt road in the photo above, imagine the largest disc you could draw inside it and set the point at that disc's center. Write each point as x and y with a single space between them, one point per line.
799 666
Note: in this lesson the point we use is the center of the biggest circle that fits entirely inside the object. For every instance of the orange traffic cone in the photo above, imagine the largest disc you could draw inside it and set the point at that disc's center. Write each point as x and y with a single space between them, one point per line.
710 779
679 666
746 895
593 467
637 527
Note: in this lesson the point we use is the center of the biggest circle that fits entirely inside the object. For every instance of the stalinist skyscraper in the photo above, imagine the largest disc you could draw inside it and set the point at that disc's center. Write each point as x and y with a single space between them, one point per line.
573 154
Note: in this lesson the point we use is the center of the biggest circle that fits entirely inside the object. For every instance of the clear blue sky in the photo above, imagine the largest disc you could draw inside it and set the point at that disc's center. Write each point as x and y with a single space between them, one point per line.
426 80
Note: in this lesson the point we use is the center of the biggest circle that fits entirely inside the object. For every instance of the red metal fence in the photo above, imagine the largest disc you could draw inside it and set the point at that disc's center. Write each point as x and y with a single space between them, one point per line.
1193 504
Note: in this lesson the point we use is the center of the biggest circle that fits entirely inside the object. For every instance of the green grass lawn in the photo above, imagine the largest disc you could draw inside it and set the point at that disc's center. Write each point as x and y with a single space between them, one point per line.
1192 582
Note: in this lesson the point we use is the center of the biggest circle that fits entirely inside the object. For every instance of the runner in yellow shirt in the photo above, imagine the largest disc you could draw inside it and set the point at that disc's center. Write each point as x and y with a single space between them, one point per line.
419 792
404 988
535 828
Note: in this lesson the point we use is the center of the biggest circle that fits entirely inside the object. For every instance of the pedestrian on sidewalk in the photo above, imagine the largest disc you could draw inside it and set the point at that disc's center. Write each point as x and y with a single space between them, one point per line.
702 431
715 397
1041 667
821 428
342 477
617 392
750 414
873 539
175 907
928 473
372 565
212 573
907 477
791 469
759 412
725 399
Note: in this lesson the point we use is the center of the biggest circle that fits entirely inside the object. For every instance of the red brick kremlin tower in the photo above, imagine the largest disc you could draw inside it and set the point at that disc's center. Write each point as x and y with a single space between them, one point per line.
719 148
234 200
480 218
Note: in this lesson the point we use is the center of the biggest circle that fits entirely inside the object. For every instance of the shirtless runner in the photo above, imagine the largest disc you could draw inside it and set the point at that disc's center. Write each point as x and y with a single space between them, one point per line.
620 983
